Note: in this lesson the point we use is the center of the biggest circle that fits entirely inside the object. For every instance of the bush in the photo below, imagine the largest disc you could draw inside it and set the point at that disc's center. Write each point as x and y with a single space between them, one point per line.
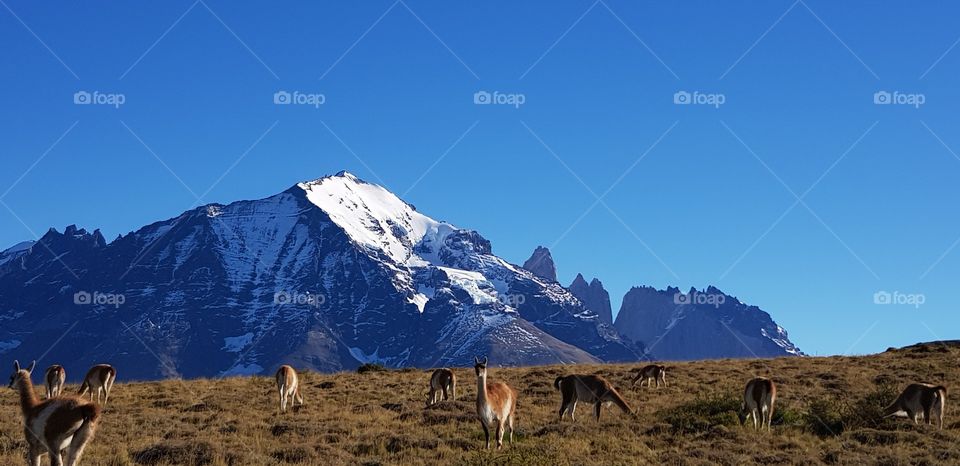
702 414
830 417
825 418
371 367
867 412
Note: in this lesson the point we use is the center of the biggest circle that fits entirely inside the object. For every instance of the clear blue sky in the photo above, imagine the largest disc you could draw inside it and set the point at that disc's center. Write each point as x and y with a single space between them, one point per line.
598 81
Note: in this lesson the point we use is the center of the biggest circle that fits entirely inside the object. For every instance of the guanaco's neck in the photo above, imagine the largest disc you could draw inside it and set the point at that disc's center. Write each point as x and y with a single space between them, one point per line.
482 389
28 399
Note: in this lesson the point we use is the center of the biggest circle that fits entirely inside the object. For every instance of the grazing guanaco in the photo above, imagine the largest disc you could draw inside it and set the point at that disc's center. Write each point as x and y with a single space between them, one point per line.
443 383
60 427
652 373
288 384
55 378
589 389
496 404
920 401
99 380
758 399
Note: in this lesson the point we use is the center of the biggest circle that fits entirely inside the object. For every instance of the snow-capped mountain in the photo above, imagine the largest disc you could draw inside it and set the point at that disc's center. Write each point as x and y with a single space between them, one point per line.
700 324
326 275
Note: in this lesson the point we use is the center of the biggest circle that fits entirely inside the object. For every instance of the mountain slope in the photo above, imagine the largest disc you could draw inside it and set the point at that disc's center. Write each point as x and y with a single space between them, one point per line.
326 275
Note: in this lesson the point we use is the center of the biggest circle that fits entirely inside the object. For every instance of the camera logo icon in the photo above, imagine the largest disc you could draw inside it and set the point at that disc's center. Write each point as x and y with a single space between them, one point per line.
81 298
681 98
882 297
81 98
281 98
882 98
281 297
481 98
682 298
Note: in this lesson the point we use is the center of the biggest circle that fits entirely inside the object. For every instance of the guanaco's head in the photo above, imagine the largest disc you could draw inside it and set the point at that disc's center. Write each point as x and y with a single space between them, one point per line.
742 413
19 373
480 367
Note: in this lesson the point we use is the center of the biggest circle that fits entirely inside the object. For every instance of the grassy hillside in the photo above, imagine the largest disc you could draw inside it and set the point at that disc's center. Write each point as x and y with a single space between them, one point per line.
826 414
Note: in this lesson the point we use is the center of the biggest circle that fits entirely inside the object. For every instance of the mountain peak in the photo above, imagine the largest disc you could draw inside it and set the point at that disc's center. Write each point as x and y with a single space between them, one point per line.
541 264
578 282
593 296
346 174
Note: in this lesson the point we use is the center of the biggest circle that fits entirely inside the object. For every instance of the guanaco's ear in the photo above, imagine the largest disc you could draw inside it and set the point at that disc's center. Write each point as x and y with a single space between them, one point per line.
484 360
32 365
16 365
477 359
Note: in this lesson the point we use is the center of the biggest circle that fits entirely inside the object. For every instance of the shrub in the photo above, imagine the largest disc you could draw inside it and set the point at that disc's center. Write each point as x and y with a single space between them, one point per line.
702 414
867 412
371 367
198 453
824 418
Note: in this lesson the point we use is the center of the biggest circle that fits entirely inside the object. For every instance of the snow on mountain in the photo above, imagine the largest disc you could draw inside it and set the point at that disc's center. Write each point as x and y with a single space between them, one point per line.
15 251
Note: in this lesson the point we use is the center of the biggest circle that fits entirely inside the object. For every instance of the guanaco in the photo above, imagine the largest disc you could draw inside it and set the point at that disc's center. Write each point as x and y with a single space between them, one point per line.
61 426
288 384
758 398
589 389
496 404
55 377
99 381
443 383
920 401
652 373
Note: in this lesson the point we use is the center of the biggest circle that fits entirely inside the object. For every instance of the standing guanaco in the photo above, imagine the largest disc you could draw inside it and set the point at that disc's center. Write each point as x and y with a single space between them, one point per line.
61 426
55 377
758 398
496 404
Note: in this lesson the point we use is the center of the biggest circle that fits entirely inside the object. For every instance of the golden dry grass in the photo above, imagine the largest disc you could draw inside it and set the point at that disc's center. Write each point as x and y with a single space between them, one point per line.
379 418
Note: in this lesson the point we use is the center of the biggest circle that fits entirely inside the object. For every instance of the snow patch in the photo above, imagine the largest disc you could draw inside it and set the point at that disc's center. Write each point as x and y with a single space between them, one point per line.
9 345
238 343
363 358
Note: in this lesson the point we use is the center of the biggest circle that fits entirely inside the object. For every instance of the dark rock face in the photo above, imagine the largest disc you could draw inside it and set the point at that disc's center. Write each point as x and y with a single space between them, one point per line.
700 325
541 264
593 296
326 275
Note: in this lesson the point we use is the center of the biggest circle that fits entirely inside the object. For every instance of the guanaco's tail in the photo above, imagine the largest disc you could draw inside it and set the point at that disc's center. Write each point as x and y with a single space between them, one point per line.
556 383
90 413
